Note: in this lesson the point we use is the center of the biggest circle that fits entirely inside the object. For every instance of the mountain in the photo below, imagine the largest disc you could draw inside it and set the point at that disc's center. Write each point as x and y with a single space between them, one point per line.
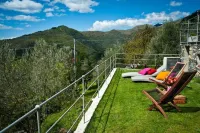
61 35
113 37
91 44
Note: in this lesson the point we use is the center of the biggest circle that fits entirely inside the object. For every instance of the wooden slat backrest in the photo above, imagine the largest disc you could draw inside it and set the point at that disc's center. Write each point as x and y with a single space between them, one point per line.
178 86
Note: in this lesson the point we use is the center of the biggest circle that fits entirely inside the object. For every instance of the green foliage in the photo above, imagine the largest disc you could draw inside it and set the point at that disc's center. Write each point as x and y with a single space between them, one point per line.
166 40
107 39
140 43
31 79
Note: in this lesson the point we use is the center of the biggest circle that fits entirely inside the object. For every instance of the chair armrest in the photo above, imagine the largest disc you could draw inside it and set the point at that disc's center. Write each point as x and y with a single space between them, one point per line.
163 92
158 83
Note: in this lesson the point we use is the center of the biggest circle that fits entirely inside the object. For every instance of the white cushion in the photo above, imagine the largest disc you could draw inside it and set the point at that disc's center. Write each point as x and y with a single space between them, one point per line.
130 74
144 78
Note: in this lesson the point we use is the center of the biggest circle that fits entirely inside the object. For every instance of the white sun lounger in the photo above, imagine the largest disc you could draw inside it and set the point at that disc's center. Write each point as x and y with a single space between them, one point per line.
178 69
167 62
144 78
133 74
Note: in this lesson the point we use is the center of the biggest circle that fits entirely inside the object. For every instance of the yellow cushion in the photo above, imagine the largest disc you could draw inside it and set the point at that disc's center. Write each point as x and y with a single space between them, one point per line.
162 75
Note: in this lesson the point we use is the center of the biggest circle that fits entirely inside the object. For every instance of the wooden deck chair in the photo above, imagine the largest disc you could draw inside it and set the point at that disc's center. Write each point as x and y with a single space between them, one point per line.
159 98
175 72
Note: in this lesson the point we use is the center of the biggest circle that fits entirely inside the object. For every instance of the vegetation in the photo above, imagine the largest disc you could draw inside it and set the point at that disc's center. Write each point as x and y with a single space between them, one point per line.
150 40
166 40
140 42
124 109
32 71
31 79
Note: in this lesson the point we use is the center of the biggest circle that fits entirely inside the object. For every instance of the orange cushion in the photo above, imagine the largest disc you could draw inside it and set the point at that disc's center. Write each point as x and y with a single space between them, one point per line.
162 75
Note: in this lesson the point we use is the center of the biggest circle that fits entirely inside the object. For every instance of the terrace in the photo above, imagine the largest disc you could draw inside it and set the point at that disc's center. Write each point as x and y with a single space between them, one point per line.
110 103
124 109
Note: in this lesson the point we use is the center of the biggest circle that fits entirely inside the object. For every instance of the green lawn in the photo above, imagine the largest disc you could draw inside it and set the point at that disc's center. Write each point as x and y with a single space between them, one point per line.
123 109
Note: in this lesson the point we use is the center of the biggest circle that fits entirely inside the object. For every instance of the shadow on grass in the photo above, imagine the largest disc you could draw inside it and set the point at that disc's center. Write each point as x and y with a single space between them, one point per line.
106 108
189 109
169 108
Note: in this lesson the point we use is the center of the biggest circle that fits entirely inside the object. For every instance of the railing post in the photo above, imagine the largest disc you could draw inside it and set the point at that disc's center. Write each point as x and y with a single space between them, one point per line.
155 60
38 118
115 61
98 79
110 64
83 98
112 61
105 69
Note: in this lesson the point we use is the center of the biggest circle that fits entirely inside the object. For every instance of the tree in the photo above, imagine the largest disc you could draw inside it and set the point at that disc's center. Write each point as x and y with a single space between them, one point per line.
166 40
30 79
139 44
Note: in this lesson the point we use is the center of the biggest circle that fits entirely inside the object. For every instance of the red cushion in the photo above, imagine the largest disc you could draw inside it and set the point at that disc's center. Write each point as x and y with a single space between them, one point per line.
151 71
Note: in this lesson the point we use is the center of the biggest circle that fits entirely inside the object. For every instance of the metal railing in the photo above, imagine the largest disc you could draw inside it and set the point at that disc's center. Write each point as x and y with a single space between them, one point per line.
102 71
139 60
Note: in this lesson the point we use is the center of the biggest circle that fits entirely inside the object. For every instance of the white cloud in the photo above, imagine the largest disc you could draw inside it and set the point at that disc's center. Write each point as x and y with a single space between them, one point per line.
24 18
25 6
27 25
79 5
59 15
8 37
46 0
174 3
49 14
18 28
48 10
61 10
56 7
150 18
5 27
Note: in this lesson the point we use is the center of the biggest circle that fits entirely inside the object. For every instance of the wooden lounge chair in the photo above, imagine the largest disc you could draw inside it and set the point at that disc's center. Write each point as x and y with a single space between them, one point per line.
175 72
159 98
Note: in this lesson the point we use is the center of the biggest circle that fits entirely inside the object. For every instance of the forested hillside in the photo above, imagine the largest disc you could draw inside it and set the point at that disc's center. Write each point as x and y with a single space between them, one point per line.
153 40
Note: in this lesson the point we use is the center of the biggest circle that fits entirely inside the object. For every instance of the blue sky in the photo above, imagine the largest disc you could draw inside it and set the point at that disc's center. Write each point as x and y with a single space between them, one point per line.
19 17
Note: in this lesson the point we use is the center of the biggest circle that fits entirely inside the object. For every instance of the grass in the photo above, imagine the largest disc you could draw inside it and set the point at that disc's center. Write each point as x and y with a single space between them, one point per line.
123 109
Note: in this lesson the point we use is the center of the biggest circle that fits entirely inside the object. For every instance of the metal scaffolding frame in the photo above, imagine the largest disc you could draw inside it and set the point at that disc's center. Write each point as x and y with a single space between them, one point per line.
190 40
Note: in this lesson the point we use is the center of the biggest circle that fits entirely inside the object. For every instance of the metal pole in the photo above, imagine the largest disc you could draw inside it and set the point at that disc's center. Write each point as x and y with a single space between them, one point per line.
198 26
75 58
105 69
180 37
38 118
155 60
75 63
83 98
110 63
98 79
115 60
188 31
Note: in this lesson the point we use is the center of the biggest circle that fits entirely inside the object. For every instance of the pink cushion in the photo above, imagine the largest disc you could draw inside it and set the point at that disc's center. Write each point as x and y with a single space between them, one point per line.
144 71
